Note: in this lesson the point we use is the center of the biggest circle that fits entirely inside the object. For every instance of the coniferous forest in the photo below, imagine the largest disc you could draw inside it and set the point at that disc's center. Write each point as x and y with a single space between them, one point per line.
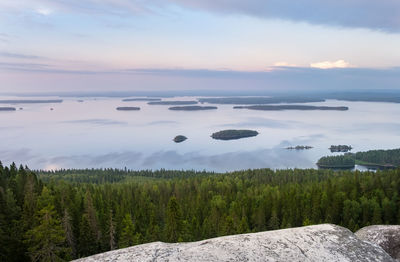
67 214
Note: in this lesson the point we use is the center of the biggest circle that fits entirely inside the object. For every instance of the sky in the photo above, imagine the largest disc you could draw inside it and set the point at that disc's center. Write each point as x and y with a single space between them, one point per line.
232 45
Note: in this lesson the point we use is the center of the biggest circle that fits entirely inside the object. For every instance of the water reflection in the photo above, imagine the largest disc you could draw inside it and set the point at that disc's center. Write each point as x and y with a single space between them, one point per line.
93 134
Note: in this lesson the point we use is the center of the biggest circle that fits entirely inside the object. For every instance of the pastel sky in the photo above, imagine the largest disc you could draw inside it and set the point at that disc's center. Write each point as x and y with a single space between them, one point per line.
140 45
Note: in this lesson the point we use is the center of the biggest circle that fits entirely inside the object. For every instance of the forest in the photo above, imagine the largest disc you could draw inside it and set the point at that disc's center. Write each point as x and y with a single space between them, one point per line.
341 161
66 214
372 158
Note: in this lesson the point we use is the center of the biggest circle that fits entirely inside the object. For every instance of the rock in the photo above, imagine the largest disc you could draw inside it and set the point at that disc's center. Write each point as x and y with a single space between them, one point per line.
387 237
312 243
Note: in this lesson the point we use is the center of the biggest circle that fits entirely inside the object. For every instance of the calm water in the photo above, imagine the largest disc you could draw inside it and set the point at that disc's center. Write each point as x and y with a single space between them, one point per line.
93 134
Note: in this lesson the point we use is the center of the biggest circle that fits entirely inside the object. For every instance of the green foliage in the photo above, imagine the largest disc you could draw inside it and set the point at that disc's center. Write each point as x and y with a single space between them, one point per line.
342 161
76 213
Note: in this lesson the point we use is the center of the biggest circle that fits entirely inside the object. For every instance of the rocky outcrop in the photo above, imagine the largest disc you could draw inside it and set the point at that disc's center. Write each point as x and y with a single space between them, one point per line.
387 237
312 243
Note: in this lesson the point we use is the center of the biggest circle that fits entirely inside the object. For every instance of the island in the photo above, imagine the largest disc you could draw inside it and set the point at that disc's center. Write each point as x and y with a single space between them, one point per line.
291 107
30 101
340 148
179 139
7 109
258 100
337 162
141 99
299 147
192 108
173 103
232 134
128 108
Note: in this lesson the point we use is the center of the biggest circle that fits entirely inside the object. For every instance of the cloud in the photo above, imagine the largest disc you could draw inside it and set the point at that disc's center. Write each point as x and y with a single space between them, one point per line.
17 55
44 11
283 64
330 64
371 14
28 75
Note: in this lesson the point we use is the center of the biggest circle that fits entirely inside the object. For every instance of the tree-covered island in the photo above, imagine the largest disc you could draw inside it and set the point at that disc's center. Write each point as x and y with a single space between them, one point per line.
192 108
128 108
232 134
179 139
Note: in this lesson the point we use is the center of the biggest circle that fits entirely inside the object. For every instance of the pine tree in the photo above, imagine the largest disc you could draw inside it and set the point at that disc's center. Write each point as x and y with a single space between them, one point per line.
87 238
173 221
46 241
128 236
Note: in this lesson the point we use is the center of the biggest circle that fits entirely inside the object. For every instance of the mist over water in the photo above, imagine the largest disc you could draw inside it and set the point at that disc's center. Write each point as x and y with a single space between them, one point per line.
93 134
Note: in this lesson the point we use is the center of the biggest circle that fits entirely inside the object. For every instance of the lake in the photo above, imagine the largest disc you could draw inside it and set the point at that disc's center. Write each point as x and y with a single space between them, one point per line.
93 134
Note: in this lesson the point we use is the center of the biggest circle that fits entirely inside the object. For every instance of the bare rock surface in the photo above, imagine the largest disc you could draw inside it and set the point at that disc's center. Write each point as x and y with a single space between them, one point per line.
312 243
386 236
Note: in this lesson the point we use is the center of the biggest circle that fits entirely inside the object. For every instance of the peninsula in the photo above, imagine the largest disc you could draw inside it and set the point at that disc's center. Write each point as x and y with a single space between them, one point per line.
7 109
258 100
291 107
30 101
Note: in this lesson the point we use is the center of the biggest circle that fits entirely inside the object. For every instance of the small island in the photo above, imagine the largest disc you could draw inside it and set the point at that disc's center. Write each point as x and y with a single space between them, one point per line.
141 99
192 108
232 134
340 148
292 107
299 147
337 162
7 109
173 103
179 139
128 108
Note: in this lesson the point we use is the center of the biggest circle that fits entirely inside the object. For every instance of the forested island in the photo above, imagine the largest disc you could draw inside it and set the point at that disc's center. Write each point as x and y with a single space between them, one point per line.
128 108
376 159
232 134
258 100
31 101
291 107
2 108
192 108
337 162
173 103
179 139
340 148
69 214
299 147
141 99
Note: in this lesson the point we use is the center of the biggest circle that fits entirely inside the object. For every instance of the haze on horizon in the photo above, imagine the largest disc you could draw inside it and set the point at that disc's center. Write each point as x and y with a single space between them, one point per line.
134 45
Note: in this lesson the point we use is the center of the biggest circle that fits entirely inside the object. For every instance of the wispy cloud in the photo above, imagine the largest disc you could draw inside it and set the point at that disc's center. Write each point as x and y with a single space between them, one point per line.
44 11
17 55
371 14
330 64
